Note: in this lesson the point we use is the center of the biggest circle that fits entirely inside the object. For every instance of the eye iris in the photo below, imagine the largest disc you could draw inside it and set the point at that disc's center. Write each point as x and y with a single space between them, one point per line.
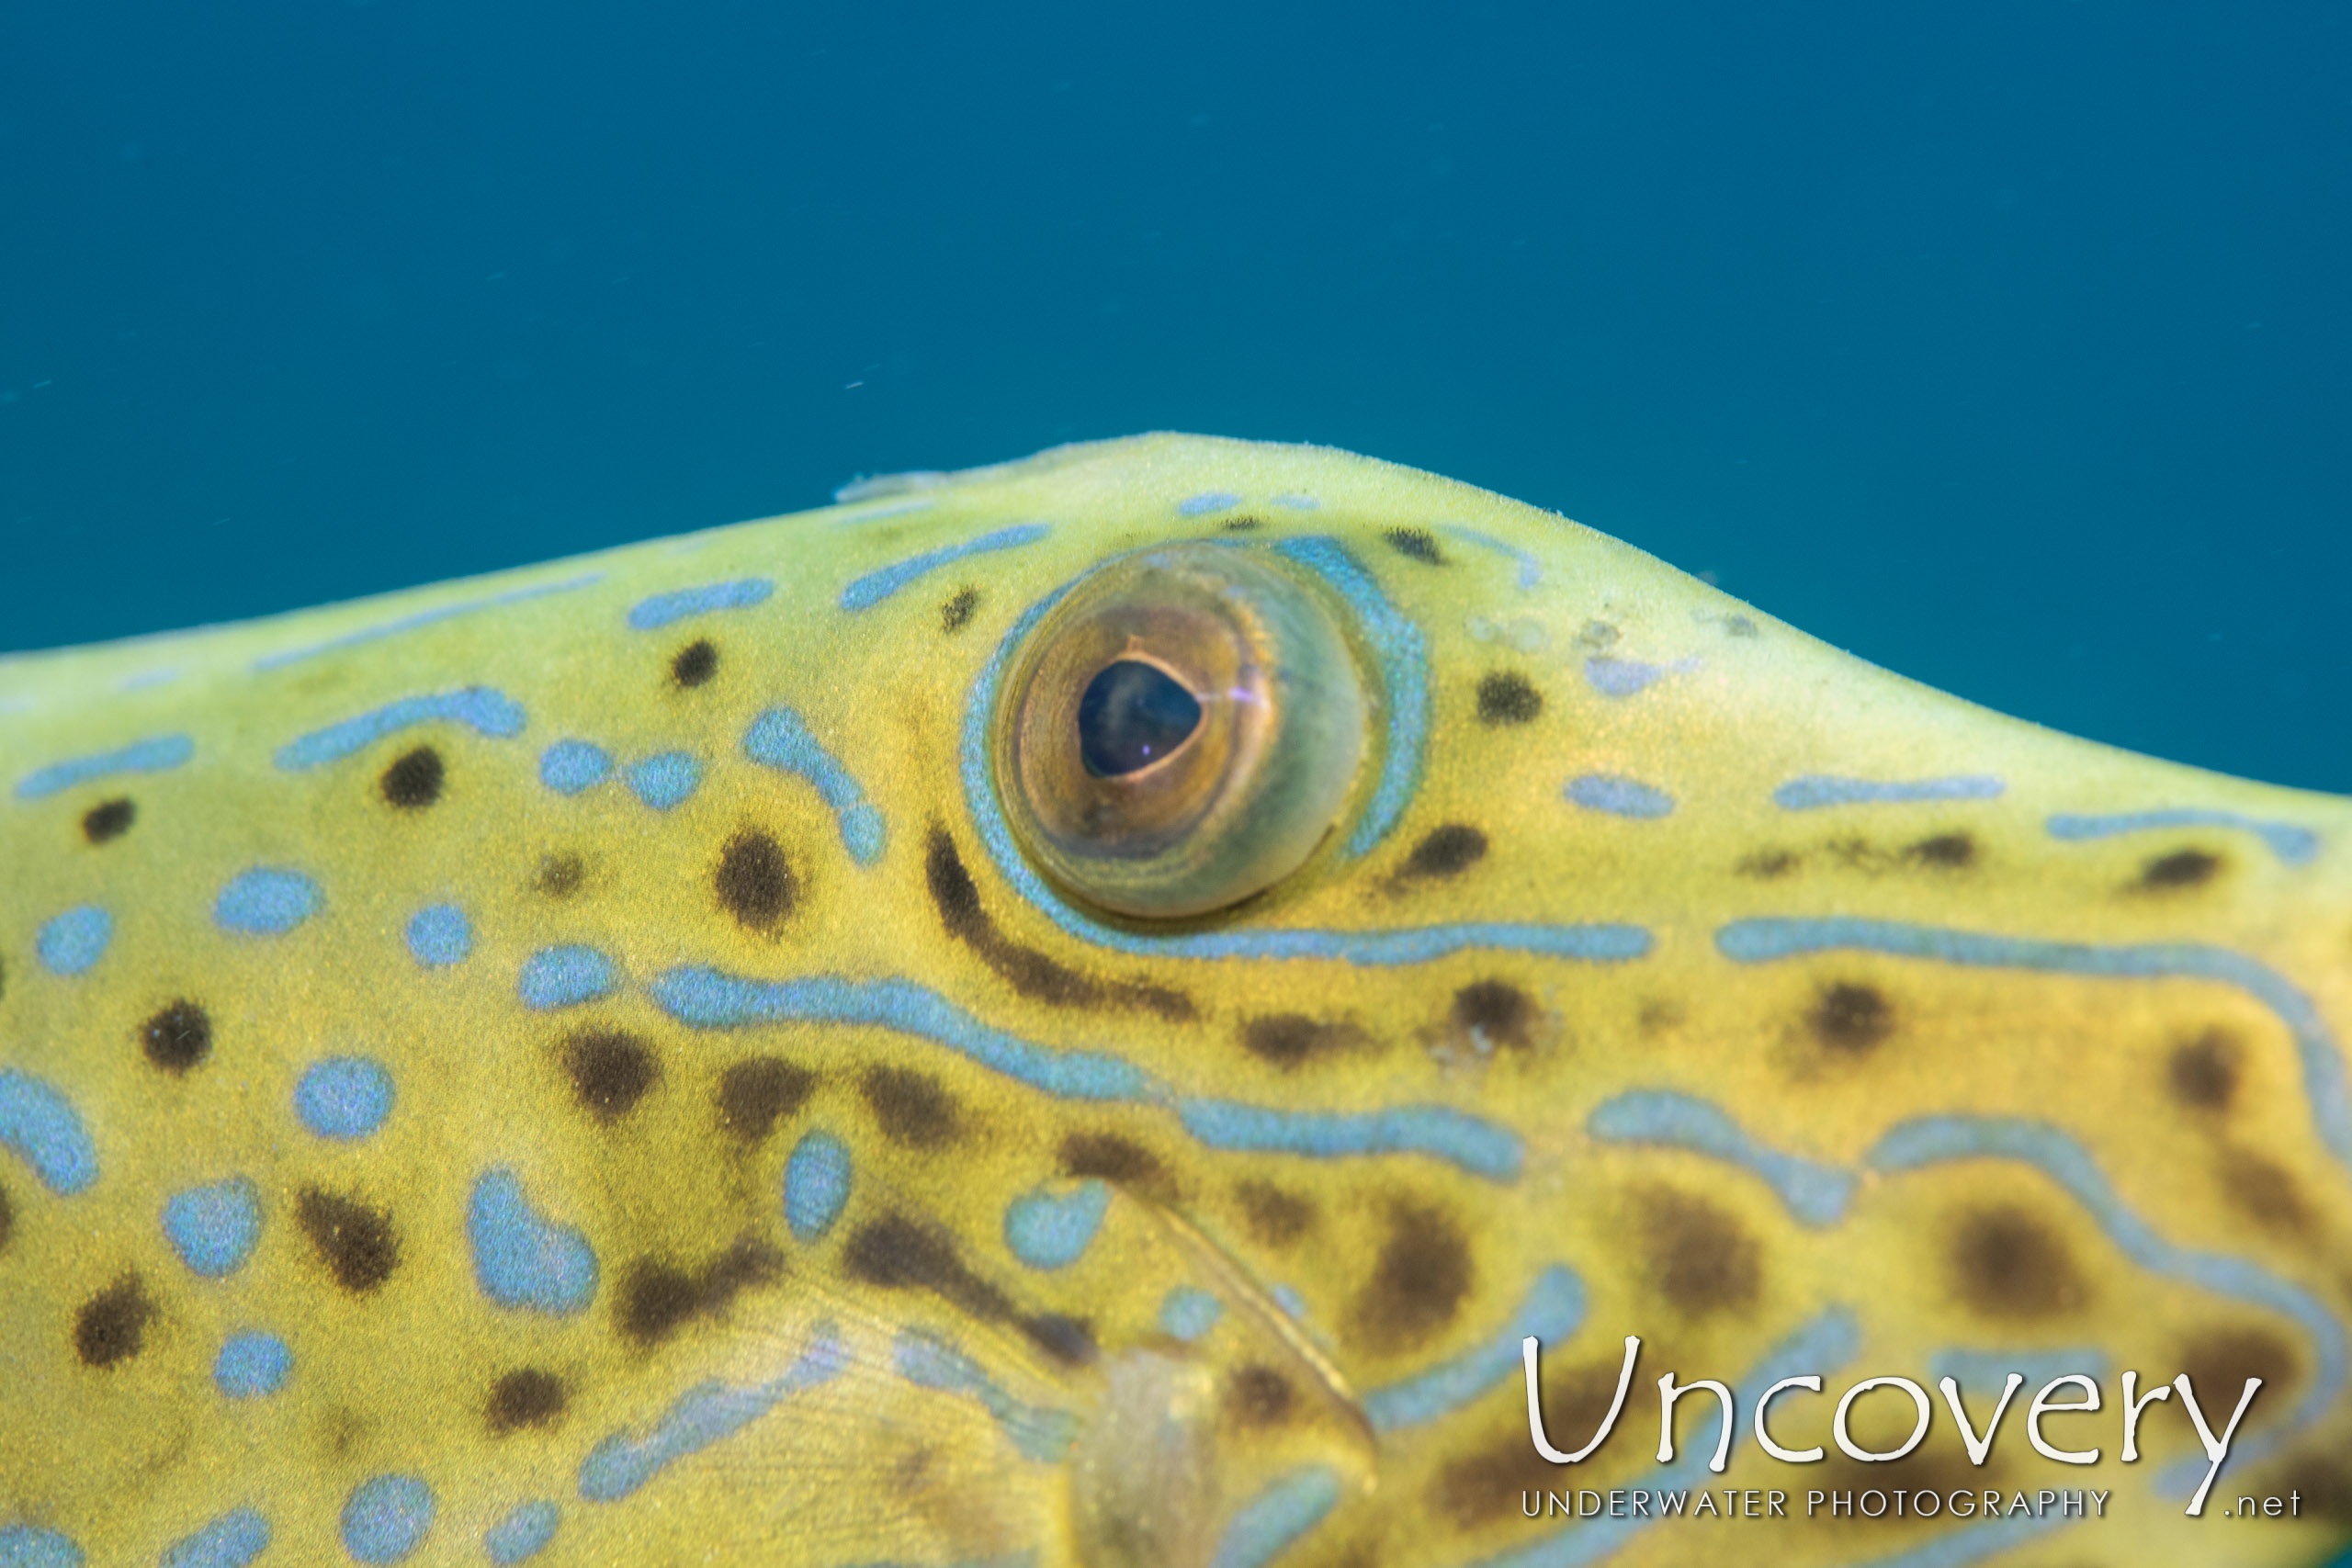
1131 717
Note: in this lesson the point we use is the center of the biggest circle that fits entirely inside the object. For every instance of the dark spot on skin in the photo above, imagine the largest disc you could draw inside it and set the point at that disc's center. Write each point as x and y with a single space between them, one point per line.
1506 696
755 882
1120 1161
1414 543
525 1398
414 781
2325 1479
956 614
354 1241
112 1324
2182 868
2219 1362
895 1253
559 876
1767 865
911 1107
1258 1396
1696 1254
1289 1039
754 1095
2204 1073
2267 1191
1658 1014
2005 1263
108 819
1950 851
1596 636
694 663
7 1220
655 1298
1275 1217
1029 972
1850 1017
1240 525
1445 850
1738 626
1497 1013
1486 1485
178 1037
611 1070
1417 1281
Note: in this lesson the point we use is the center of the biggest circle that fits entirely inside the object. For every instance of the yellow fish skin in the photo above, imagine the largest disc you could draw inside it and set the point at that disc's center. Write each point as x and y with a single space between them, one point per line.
582 1066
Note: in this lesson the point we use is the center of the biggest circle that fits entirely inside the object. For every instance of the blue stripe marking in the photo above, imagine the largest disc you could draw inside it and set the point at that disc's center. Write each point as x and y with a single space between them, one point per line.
522 1258
523 1534
154 755
1933 1140
422 618
1620 796
1403 656
1040 1433
1530 570
704 1414
1812 791
266 901
45 1132
1989 1369
231 1540
710 998
29 1546
1816 1194
1265 1527
1049 1229
663 609
74 940
1821 1344
870 590
781 738
485 710
2291 844
213 1227
565 976
1554 1306
1763 941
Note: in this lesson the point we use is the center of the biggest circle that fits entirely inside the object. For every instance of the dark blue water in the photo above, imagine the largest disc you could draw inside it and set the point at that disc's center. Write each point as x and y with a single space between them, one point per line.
2007 345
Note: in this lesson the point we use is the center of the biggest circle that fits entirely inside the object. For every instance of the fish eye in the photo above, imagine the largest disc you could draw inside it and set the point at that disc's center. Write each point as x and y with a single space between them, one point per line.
1180 731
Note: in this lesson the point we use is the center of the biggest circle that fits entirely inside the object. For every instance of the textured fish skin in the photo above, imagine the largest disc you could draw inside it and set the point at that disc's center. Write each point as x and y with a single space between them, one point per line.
568 1066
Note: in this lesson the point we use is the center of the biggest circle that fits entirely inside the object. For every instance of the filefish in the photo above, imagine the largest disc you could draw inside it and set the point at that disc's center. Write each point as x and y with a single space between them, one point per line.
1087 1012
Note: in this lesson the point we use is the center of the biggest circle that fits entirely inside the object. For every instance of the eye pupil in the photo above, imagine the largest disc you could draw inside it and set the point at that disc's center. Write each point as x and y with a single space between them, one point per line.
1131 717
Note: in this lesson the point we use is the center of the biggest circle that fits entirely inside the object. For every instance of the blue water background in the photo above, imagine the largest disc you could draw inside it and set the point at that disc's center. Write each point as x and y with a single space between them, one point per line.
2008 345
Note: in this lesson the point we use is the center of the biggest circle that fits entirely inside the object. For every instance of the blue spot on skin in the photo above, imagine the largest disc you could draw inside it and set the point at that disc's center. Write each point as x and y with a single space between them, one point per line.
1291 501
1624 677
385 1517
522 1258
343 1098
1187 1312
1262 1528
702 1415
816 1185
1053 1230
779 738
652 615
266 901
251 1365
422 618
565 976
213 1228
2293 845
1290 1301
43 1129
1530 570
1208 500
1042 1434
1553 1307
876 586
570 766
522 1534
440 935
665 779
710 998
488 712
1620 796
74 940
1402 654
1816 1194
158 754
1815 791
29 1546
230 1542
